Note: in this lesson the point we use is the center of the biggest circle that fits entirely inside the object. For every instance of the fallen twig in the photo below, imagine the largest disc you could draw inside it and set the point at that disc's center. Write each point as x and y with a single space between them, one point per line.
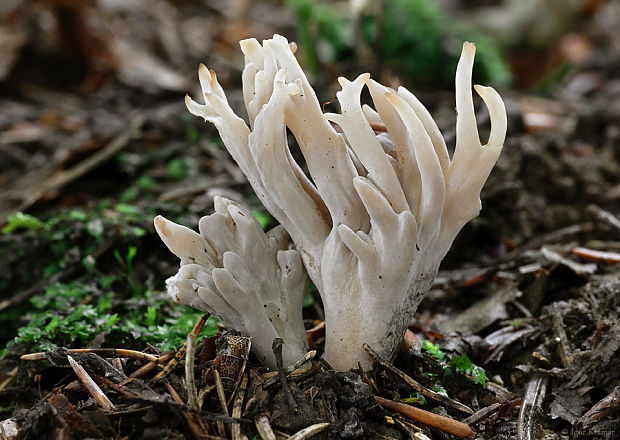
192 392
222 396
442 423
190 380
277 351
534 395
177 402
417 386
281 435
291 368
104 352
593 255
411 429
579 269
367 378
292 375
90 385
181 353
235 429
481 414
501 393
196 433
203 393
309 431
604 216
147 368
127 412
264 427
119 388
549 238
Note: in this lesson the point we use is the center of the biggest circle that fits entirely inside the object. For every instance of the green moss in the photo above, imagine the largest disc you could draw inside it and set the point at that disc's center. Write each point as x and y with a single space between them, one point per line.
460 364
264 218
73 314
434 351
63 316
20 220
412 39
417 41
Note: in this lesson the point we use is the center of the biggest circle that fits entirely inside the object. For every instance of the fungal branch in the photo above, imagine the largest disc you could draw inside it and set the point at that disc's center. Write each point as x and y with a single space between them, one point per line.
378 212
248 278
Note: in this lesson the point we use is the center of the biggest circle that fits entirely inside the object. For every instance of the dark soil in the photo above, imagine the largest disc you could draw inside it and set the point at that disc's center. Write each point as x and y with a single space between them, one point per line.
530 290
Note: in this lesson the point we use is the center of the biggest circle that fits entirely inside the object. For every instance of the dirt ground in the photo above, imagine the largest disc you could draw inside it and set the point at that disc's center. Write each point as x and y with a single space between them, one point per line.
95 140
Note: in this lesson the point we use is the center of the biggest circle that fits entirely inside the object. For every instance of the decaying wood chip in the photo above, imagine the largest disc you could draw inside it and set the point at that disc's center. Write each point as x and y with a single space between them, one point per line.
560 334
90 385
118 364
442 423
483 313
231 359
264 427
417 386
68 416
534 395
606 406
502 339
9 429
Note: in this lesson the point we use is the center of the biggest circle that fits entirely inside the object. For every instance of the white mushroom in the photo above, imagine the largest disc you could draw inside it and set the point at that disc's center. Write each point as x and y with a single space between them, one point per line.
379 212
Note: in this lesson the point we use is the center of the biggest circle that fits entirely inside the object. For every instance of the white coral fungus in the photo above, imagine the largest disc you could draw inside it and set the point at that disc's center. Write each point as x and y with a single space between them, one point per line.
379 211
250 279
